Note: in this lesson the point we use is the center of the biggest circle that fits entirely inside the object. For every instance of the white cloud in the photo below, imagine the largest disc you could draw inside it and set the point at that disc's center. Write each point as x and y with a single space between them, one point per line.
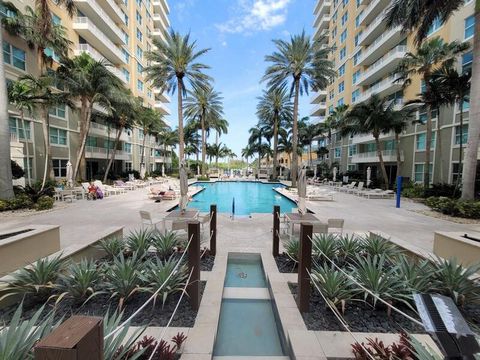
256 15
224 43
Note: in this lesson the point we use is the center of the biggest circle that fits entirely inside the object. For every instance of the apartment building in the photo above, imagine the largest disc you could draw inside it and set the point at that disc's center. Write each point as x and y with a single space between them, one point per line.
119 32
366 55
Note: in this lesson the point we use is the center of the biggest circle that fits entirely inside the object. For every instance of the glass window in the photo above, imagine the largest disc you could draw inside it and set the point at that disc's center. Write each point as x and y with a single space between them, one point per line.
60 167
352 150
389 145
418 175
345 2
340 102
58 111
139 52
58 136
343 53
139 85
356 57
463 133
139 68
335 16
334 32
330 109
421 141
341 87
437 23
344 18
127 147
331 94
139 35
467 60
355 95
16 128
469 27
343 36
13 56
126 73
139 18
356 76
341 70
91 141
357 19
125 16
338 152
140 134
456 172
126 56
125 37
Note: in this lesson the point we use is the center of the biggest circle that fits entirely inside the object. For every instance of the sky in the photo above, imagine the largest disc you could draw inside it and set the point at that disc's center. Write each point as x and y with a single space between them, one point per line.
239 33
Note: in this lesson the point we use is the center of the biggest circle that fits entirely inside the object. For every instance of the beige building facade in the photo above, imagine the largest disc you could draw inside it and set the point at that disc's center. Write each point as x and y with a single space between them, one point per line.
366 55
119 32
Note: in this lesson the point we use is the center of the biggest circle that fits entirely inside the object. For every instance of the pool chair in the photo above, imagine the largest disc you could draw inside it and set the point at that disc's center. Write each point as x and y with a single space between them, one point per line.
149 221
169 195
320 228
336 225
348 187
122 185
358 189
374 194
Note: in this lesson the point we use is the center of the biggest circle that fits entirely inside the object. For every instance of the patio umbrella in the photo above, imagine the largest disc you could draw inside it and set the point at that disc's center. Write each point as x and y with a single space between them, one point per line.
315 171
163 170
142 171
233 208
302 191
198 170
183 187
369 176
334 173
69 174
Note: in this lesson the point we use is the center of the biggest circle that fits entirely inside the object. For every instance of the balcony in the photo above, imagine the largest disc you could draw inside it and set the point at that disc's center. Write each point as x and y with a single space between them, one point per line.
383 88
87 48
163 159
318 119
374 30
319 109
368 138
323 22
159 22
162 108
318 97
104 131
92 152
113 10
160 5
159 35
162 96
372 157
380 45
323 10
322 35
373 10
118 73
87 29
95 13
383 66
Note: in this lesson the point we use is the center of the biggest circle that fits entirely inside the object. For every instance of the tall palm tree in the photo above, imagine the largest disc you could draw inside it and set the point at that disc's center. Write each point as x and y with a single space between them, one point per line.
174 67
421 19
169 138
220 126
274 111
247 152
400 120
375 116
430 56
307 133
150 122
204 105
90 83
257 134
303 63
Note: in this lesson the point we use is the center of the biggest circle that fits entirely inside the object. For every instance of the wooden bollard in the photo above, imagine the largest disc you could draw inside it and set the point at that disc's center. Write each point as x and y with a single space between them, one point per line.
213 230
276 230
304 268
193 288
80 337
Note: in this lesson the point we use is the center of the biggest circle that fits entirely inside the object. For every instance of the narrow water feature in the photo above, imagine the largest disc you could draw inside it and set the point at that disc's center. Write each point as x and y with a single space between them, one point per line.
247 325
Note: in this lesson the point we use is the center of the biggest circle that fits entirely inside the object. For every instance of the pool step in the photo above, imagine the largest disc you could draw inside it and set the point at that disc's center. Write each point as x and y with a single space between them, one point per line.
246 293
251 357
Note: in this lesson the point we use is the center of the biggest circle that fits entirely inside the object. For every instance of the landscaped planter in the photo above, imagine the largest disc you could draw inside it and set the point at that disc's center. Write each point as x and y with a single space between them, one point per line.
24 245
455 244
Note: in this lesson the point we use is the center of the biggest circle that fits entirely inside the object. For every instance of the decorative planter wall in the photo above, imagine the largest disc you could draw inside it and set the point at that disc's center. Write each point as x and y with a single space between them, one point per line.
454 244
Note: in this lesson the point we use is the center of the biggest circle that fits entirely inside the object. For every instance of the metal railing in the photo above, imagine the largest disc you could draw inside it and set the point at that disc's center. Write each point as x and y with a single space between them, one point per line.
398 50
108 21
382 85
377 42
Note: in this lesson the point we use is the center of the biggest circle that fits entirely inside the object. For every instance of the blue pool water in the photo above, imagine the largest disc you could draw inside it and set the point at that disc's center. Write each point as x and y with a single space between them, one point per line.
245 271
250 197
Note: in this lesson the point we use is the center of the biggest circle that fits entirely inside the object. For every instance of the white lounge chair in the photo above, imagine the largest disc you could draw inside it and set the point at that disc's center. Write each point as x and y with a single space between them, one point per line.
358 189
336 224
346 188
148 220
320 228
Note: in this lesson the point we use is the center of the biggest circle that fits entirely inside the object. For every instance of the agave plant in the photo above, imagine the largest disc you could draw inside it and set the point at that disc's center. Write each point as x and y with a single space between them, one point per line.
348 246
376 245
123 277
375 274
417 277
159 271
18 338
165 244
454 280
38 279
325 246
292 248
80 281
139 241
334 285
112 246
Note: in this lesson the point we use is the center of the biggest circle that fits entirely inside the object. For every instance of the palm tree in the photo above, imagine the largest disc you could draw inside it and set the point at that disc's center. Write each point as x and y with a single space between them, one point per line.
398 124
220 126
257 134
274 111
306 134
375 117
173 67
304 64
90 83
169 138
430 56
150 122
246 153
205 106
333 121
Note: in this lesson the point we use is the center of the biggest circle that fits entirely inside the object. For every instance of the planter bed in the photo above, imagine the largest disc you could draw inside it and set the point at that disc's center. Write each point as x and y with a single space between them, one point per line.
207 262
285 264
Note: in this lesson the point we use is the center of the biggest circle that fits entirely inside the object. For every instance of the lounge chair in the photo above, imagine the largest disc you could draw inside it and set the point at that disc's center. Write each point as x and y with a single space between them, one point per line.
169 195
346 188
373 194
147 220
122 185
358 189
320 228
336 224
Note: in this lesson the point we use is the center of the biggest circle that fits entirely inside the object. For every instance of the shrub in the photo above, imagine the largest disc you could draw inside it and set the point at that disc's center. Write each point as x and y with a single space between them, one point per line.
416 276
35 191
44 203
4 205
80 281
412 190
165 244
325 246
292 248
139 241
20 201
203 178
468 209
376 245
441 189
348 246
462 208
376 349
113 246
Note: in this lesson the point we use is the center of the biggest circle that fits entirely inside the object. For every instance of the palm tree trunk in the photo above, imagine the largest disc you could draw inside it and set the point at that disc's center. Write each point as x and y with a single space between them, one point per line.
142 156
399 155
27 150
204 144
6 185
460 150
181 140
85 117
428 142
382 164
112 155
275 147
470 164
310 154
294 164
438 146
48 153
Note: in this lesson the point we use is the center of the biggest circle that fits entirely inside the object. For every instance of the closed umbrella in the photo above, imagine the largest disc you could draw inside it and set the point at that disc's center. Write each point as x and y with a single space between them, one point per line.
142 171
334 173
369 176
315 172
163 170
183 187
281 170
302 191
69 174
198 170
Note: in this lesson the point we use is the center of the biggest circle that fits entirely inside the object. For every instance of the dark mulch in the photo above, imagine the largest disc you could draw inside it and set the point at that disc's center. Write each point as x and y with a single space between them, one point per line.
285 264
206 262
358 315
98 306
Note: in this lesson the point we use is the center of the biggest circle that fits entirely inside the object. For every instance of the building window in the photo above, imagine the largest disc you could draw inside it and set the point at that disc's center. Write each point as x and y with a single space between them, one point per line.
357 19
343 53
356 57
127 147
371 147
467 60
139 35
352 150
13 56
344 3
16 128
355 95
341 70
139 52
139 68
422 116
456 172
418 175
60 167
58 111
421 140
331 94
357 38
335 16
437 24
139 18
58 136
125 37
352 167
356 76
126 73
140 85
126 56
344 18
125 18
334 32
128 166
463 133
330 109
343 36
140 134
91 141
149 94
340 102
469 27
341 87
338 152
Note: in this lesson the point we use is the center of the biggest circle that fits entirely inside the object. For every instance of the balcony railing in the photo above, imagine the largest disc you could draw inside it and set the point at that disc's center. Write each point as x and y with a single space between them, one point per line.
398 51
372 26
378 87
98 152
90 50
372 156
378 42
368 9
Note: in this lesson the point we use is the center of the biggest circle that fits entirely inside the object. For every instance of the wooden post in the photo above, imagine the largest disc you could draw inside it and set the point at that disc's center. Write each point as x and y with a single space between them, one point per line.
304 267
80 337
213 229
276 230
193 288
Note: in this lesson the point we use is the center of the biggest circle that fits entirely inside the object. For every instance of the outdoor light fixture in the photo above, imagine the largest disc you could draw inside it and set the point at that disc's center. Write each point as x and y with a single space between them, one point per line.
442 319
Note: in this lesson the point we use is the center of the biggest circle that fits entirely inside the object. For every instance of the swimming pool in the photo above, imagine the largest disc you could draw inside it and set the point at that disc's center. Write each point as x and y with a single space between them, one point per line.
250 197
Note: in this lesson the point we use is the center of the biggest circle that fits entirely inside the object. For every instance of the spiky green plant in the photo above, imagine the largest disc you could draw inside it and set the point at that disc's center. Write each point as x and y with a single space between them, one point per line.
80 281
348 246
454 280
292 248
158 272
139 241
325 246
334 285
376 245
123 277
38 279
165 244
375 274
112 246
417 276
18 337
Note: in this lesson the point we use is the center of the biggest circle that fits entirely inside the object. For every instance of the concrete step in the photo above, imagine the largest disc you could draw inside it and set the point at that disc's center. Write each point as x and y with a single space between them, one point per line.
245 293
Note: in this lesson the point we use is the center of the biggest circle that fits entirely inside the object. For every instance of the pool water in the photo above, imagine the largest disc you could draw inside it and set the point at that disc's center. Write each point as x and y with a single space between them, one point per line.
245 271
250 197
